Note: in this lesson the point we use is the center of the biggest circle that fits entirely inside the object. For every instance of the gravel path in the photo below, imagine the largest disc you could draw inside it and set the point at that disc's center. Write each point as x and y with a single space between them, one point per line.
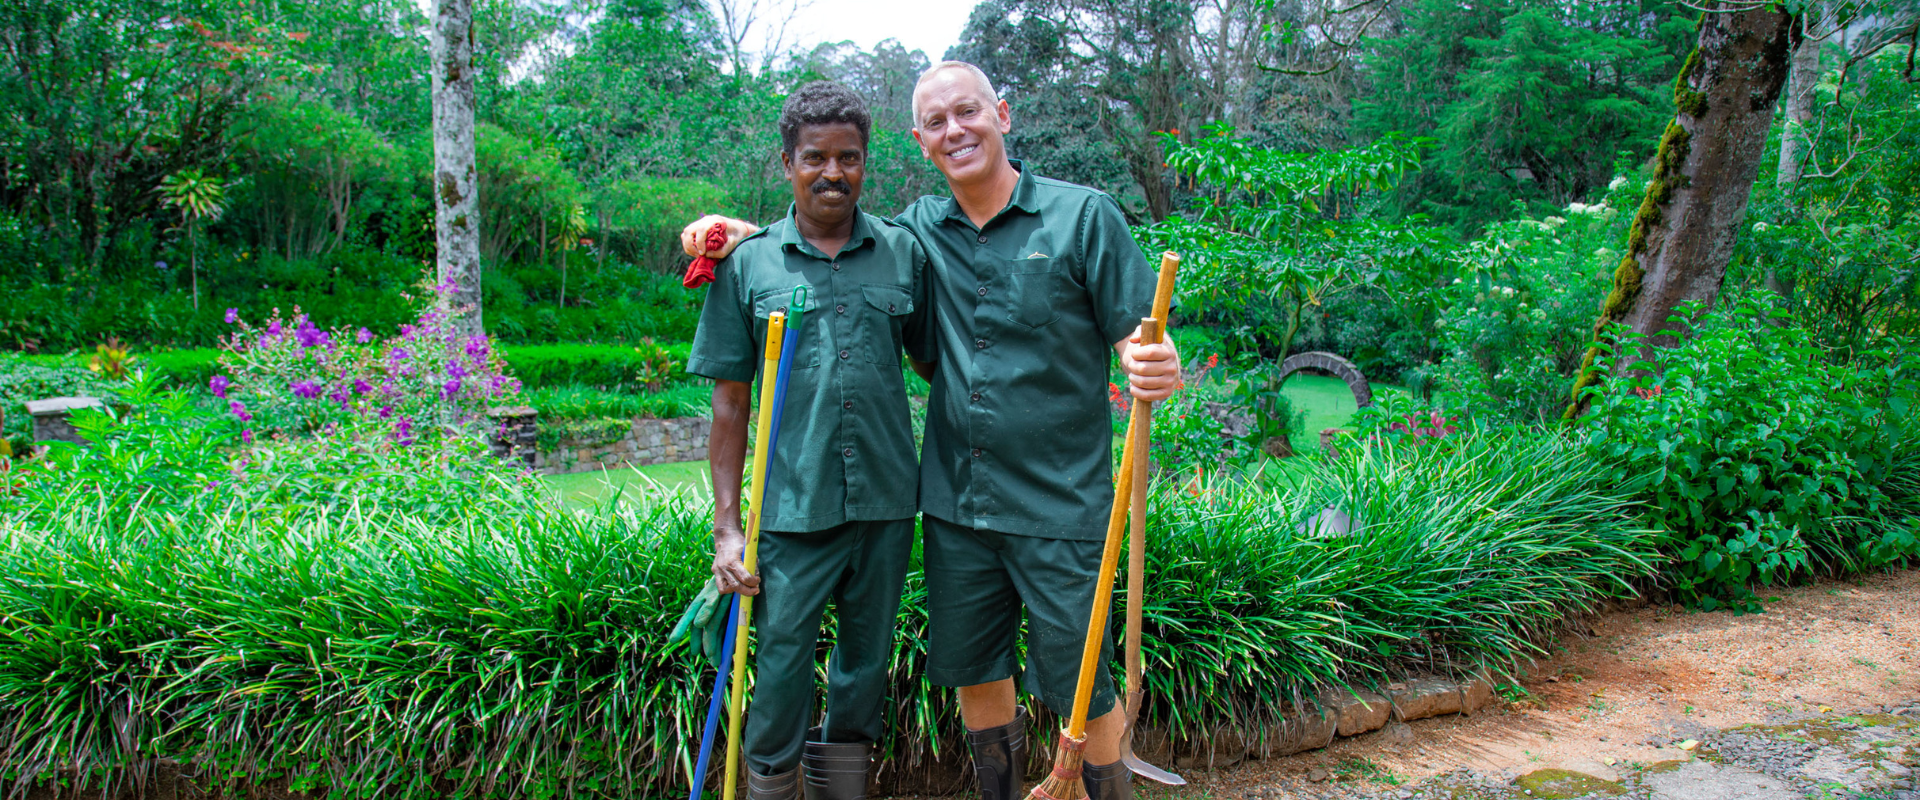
1819 697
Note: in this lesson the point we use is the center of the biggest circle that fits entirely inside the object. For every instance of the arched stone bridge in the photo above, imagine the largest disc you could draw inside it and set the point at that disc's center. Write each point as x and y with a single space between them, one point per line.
1321 363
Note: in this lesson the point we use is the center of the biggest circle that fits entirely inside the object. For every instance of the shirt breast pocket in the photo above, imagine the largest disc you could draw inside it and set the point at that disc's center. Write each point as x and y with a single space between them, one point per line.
886 320
1035 287
806 351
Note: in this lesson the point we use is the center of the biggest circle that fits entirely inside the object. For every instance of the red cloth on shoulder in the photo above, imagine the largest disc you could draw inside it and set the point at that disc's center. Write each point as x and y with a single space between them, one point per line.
700 272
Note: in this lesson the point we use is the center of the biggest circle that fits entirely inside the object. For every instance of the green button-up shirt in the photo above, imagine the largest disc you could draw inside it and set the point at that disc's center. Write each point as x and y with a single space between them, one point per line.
846 446
1027 310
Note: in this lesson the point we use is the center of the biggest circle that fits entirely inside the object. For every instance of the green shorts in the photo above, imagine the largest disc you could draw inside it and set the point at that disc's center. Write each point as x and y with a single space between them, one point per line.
977 582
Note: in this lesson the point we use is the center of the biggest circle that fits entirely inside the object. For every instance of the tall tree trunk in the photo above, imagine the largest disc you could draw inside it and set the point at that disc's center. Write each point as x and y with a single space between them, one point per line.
455 179
1799 106
1682 237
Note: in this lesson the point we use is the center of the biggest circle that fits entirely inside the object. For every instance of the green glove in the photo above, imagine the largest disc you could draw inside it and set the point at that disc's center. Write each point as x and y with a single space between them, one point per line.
698 614
714 634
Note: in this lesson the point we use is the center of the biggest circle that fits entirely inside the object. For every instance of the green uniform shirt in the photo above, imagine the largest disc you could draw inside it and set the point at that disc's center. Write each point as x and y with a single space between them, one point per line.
846 446
1027 310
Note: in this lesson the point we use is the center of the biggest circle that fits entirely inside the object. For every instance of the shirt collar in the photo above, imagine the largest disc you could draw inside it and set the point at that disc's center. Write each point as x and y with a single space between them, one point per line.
862 234
1023 196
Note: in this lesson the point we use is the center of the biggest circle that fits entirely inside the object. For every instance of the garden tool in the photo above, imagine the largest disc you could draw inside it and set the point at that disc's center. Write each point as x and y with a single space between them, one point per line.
713 704
1137 551
786 346
1064 783
773 394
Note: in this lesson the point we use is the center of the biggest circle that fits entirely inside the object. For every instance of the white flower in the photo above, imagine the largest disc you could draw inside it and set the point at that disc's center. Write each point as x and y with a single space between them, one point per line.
1618 181
1555 222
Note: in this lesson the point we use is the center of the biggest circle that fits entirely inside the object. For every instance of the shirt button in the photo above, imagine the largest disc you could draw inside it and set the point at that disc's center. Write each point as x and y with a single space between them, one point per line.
840 309
836 265
979 344
847 405
845 354
976 397
847 452
983 238
983 291
889 308
976 452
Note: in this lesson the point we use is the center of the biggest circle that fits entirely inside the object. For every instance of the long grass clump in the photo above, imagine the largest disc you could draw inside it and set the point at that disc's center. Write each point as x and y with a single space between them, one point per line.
399 648
1454 558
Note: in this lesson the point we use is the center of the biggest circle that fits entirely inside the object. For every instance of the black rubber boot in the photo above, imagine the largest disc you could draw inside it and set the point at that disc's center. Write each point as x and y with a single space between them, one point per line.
836 770
1107 781
1000 758
784 786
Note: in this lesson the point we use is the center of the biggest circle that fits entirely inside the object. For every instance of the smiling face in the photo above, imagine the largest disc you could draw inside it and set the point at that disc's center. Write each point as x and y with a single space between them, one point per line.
960 126
826 166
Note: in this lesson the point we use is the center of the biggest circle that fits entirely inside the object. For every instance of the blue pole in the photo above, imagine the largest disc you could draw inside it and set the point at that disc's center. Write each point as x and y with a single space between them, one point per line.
714 705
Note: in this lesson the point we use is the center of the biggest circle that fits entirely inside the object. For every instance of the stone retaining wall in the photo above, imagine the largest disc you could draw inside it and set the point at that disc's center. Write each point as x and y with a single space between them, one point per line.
648 441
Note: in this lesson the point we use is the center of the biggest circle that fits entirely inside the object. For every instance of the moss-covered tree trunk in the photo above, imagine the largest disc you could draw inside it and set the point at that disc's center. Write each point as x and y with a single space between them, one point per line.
1682 237
455 179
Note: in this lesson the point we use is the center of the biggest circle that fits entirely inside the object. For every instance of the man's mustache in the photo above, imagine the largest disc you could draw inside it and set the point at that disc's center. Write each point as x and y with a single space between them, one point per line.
825 184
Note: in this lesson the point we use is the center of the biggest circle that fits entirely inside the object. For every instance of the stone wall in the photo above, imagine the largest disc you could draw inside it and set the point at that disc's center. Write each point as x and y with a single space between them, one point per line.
648 441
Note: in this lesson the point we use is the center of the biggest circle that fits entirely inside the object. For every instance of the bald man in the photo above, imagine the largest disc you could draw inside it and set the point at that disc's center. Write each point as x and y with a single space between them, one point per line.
1033 281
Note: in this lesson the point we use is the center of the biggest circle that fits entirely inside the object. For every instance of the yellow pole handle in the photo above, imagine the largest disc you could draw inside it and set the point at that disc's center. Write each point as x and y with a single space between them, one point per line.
736 699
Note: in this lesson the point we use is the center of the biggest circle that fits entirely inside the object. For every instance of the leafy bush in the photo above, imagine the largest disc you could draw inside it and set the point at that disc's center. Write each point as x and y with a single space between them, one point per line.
181 369
1765 462
1516 324
429 380
574 403
607 366
364 620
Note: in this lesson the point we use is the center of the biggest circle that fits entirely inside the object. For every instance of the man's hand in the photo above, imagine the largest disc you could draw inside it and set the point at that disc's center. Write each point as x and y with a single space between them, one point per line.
1153 370
693 238
729 550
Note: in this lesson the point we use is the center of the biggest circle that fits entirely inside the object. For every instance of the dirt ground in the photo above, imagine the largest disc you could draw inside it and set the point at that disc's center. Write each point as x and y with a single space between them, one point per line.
1635 685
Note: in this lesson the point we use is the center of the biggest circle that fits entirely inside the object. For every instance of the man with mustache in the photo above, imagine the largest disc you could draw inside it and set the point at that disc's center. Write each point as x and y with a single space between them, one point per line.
838 515
1033 280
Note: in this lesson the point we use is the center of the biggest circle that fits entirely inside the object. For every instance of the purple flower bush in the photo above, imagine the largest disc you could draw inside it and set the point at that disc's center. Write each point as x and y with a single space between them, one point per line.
424 382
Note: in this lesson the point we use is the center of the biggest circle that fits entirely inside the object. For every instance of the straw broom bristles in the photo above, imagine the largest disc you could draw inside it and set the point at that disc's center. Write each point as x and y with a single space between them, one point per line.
1064 783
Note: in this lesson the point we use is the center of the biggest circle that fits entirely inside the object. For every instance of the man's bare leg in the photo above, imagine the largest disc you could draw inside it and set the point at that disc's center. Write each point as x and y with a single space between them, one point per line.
987 705
990 705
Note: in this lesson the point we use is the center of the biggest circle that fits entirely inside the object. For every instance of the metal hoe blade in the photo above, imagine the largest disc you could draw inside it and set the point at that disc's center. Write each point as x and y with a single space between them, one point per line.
1136 764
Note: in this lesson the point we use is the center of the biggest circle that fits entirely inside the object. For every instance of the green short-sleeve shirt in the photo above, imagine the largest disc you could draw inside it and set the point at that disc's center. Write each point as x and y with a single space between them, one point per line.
1028 307
846 445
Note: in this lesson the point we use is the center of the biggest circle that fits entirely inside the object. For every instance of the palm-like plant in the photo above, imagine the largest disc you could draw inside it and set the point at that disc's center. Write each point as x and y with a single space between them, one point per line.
199 198
573 227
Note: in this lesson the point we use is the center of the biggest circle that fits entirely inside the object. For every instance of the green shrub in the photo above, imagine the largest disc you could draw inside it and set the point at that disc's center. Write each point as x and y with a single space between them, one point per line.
609 366
575 403
1766 462
440 628
181 369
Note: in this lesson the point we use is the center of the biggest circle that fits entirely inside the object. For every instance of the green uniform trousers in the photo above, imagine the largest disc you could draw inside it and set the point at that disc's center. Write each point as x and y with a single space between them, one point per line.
862 567
977 582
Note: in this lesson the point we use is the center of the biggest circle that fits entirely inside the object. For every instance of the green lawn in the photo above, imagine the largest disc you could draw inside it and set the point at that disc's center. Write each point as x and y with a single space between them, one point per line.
1328 403
593 488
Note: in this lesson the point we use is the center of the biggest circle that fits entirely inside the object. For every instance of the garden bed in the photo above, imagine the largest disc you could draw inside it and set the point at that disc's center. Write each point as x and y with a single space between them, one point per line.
449 629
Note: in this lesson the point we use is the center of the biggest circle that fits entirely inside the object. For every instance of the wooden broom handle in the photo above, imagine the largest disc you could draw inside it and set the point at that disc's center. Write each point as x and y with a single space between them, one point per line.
1151 332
